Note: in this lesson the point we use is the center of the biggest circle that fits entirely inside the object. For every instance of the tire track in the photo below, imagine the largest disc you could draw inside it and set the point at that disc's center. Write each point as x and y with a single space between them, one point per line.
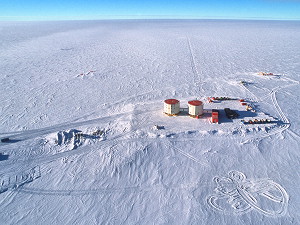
30 134
278 109
22 165
97 191
193 64
196 76
187 155
256 99
106 105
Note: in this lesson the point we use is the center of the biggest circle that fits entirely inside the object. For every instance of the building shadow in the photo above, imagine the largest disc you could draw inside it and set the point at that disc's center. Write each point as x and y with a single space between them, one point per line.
3 157
9 141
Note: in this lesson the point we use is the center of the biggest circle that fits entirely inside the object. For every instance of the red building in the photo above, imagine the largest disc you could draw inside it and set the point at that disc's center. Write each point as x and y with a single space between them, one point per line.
215 117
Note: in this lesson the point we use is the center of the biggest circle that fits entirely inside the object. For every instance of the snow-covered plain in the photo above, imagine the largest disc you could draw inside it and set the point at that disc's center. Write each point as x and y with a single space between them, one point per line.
79 101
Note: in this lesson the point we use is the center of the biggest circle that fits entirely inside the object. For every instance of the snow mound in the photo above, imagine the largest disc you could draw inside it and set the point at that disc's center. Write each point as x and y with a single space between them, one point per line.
72 139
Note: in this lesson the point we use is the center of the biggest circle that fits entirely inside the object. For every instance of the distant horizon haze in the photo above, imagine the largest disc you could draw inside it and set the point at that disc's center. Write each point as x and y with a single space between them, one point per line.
33 10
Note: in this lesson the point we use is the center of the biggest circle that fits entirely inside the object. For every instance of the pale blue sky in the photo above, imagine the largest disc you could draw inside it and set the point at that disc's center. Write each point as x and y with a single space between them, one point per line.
138 9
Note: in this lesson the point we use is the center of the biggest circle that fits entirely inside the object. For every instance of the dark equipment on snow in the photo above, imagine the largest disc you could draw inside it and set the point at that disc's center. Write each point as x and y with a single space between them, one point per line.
5 140
230 113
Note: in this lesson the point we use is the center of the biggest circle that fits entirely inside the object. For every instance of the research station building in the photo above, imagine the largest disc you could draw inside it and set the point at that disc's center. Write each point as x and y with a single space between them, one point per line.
171 107
195 108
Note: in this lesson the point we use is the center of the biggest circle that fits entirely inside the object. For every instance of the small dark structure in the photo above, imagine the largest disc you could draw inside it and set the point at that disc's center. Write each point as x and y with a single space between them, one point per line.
158 127
5 140
230 113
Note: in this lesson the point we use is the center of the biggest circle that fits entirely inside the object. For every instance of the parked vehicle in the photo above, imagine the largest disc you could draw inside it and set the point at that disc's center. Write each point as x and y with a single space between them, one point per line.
231 114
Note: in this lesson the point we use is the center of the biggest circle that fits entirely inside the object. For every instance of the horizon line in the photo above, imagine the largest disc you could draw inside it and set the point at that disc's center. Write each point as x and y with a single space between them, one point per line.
133 17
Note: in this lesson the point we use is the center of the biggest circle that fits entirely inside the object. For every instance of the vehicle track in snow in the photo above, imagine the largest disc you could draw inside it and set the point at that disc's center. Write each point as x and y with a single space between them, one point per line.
196 75
277 107
23 165
98 191
193 64
285 120
276 130
293 134
243 195
169 145
122 101
256 99
30 134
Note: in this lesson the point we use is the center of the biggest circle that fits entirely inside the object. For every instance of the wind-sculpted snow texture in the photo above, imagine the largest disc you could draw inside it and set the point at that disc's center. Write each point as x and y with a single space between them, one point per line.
82 102
16 180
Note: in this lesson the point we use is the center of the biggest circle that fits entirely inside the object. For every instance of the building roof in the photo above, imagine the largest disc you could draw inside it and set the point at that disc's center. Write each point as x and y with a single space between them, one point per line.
195 102
171 101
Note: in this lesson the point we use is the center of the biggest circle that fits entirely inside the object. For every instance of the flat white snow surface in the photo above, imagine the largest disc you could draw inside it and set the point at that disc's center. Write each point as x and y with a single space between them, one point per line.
80 101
